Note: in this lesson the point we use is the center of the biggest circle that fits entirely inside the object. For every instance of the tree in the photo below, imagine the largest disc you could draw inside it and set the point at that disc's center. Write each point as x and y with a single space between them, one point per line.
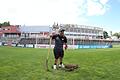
5 24
105 34
117 34
0 25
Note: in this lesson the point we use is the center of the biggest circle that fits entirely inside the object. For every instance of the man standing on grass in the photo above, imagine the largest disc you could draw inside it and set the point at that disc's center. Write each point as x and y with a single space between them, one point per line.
60 40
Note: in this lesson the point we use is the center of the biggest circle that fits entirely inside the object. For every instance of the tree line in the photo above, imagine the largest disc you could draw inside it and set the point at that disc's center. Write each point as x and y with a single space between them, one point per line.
5 24
105 34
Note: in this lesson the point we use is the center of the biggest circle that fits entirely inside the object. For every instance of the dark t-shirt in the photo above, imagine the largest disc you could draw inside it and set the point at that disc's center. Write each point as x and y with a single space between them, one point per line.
59 41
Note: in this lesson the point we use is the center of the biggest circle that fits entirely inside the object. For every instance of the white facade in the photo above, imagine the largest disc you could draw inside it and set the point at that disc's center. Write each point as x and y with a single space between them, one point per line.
80 31
71 31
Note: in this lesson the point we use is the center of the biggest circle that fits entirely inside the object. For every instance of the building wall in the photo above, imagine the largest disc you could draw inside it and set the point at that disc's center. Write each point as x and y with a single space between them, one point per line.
82 31
10 31
72 30
35 35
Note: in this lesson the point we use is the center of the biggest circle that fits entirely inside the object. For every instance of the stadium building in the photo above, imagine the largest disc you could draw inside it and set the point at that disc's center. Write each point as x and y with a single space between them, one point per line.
9 34
10 31
79 36
34 36
80 31
82 36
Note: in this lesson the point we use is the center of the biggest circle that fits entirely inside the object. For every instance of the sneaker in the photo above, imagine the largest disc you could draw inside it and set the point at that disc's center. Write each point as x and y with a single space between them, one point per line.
61 66
54 67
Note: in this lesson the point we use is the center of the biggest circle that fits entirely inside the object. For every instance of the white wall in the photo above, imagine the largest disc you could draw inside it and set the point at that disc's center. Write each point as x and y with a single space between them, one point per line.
0 43
52 46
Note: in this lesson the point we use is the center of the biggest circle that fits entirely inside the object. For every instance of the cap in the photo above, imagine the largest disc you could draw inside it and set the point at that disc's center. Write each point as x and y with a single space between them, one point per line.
61 30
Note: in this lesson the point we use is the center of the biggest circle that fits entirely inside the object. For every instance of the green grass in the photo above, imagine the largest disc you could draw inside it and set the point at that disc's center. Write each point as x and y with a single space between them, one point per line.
116 46
29 64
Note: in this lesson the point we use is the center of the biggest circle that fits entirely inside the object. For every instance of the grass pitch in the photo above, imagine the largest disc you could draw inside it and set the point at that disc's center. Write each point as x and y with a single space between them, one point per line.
29 64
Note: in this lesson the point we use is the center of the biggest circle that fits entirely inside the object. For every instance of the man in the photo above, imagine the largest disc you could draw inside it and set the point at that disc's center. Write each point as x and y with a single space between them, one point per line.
60 40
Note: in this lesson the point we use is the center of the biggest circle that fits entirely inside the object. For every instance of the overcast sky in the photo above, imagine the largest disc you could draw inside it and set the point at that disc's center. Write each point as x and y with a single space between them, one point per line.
101 13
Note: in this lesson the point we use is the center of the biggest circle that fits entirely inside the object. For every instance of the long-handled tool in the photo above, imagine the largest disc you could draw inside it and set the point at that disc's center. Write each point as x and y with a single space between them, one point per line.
48 54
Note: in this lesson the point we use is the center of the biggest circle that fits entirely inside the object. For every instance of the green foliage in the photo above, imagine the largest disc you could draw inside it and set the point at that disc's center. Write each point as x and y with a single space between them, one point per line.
105 34
5 24
0 24
117 34
29 64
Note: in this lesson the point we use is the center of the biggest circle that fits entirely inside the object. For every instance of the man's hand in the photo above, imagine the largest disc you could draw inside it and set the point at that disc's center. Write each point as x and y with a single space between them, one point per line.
50 35
66 46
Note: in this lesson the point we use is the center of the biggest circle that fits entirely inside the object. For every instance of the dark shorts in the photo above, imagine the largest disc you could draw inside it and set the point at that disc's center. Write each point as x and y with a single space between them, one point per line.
58 53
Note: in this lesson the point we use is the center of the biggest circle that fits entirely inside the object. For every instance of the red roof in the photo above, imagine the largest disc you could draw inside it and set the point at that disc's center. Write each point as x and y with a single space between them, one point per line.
10 29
